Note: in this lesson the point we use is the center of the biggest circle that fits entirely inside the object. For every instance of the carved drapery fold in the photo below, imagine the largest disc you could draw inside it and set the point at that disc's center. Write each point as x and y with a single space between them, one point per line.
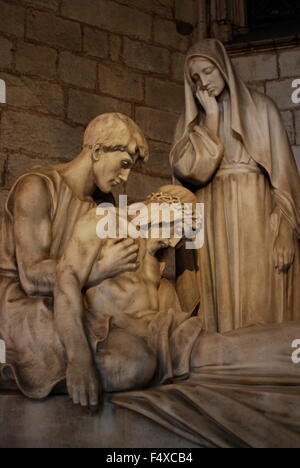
222 19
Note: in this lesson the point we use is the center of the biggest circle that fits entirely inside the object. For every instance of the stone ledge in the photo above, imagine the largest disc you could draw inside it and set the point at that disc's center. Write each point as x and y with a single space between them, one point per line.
56 423
264 45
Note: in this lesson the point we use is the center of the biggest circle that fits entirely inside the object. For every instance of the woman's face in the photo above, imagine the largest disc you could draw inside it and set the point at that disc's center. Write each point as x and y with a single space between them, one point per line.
207 76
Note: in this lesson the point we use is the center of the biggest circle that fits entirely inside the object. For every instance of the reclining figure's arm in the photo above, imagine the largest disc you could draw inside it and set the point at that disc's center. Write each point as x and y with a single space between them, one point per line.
87 261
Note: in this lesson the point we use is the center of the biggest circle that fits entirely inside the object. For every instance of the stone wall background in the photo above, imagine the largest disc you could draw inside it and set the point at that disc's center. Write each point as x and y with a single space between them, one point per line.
272 71
66 61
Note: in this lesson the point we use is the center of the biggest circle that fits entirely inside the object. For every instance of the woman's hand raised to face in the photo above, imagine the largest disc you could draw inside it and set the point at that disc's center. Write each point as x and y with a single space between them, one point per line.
210 104
208 101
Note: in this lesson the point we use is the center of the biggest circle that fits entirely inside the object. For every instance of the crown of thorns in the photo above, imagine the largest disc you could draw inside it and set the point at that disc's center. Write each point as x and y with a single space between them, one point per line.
164 197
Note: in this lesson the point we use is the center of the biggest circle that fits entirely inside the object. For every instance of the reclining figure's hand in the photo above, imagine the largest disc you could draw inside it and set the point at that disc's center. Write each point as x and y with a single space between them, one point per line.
83 383
117 256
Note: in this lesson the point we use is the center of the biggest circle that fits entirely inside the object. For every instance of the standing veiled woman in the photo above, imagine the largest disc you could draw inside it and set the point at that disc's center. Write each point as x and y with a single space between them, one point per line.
232 148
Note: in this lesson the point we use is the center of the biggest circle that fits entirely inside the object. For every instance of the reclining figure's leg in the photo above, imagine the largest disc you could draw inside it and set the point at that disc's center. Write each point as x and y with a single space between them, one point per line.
125 362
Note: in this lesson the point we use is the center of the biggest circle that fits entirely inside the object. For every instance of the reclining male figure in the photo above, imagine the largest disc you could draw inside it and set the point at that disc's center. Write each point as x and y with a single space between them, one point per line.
110 332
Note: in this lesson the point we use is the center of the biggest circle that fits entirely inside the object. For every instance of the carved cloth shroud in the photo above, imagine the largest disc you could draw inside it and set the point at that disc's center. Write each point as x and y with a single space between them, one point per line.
243 391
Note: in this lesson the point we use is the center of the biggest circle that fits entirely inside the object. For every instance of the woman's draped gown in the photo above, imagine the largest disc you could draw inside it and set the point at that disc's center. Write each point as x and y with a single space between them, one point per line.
239 285
247 178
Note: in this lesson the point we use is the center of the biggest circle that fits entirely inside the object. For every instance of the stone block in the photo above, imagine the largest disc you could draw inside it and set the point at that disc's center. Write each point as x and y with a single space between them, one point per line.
157 125
12 19
165 32
18 164
158 163
78 71
186 11
18 94
6 53
47 4
111 16
178 62
281 93
36 60
121 82
115 47
85 106
289 125
37 134
289 63
139 186
257 67
50 96
260 87
35 95
50 29
95 42
164 95
146 57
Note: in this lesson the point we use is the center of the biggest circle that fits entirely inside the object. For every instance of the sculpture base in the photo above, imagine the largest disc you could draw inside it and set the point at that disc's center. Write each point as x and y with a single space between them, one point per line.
56 423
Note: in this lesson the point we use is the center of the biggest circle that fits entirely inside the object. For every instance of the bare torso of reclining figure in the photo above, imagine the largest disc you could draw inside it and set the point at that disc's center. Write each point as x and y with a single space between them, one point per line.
125 360
131 299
